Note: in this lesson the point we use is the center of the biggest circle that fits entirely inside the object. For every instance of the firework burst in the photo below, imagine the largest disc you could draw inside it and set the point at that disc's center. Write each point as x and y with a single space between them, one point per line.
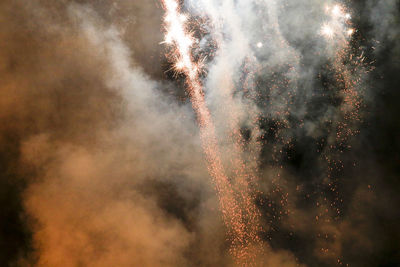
238 215
236 198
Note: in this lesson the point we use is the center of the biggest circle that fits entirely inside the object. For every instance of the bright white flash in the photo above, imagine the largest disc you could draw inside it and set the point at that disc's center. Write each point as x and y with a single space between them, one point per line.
168 39
350 32
338 23
180 65
259 44
336 11
327 31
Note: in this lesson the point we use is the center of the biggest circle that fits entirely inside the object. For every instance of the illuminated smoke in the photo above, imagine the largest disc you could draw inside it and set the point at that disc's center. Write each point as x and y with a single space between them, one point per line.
237 217
237 203
277 88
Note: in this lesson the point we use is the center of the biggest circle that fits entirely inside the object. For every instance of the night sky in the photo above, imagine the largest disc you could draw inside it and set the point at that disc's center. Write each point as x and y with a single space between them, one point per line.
101 159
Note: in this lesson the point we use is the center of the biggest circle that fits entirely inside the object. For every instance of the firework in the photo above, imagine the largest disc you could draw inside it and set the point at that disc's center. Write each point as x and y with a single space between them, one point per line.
240 214
338 23
181 41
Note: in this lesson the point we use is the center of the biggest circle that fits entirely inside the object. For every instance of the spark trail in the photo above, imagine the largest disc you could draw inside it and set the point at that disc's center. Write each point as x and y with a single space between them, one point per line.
244 178
178 37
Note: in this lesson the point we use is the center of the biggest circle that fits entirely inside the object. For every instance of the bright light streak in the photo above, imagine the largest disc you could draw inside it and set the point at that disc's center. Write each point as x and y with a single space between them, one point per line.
181 41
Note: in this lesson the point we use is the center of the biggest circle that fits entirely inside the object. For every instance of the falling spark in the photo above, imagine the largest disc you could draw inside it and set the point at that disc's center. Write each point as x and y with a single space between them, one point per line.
181 40
237 206
346 77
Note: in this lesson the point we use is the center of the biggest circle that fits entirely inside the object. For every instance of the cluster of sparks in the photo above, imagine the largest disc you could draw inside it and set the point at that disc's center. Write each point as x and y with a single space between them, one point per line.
235 216
345 64
237 205
339 24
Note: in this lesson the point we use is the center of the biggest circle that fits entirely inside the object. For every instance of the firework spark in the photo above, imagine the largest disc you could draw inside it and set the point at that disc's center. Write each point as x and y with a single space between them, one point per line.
178 37
327 31
237 204
338 23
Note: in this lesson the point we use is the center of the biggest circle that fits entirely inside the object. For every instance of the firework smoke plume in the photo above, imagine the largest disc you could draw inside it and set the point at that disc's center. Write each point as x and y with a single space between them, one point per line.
199 133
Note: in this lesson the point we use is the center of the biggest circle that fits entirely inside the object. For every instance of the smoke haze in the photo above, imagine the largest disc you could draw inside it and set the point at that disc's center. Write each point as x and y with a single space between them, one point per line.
101 157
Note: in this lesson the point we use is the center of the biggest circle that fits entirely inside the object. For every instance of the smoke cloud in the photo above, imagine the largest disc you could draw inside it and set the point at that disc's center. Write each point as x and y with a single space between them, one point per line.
101 156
